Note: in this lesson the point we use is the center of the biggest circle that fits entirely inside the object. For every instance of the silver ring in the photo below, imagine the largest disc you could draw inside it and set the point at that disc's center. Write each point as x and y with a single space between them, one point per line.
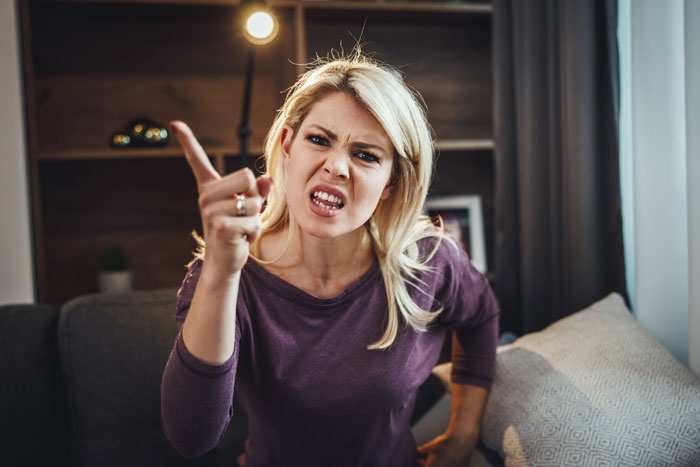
240 206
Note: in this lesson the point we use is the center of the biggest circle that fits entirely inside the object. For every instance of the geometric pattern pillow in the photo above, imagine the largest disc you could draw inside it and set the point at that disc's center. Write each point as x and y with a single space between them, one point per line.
592 389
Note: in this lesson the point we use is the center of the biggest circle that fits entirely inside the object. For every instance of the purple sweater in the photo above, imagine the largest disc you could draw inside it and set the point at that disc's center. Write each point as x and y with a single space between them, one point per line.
314 394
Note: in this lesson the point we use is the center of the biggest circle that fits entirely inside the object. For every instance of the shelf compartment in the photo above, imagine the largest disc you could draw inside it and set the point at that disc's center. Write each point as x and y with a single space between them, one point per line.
171 151
92 75
445 57
477 178
149 206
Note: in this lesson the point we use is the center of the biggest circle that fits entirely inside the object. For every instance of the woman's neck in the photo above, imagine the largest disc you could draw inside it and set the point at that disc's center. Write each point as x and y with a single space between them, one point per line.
321 267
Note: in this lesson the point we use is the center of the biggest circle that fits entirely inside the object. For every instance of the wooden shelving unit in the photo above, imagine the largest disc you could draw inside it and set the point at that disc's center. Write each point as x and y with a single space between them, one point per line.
93 65
134 153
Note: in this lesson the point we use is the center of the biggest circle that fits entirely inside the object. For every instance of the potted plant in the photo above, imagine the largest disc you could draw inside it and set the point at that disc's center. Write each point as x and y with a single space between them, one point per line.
114 275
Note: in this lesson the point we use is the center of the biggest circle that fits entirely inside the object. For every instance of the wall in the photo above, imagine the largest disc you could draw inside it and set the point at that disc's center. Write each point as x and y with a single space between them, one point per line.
16 278
656 144
692 75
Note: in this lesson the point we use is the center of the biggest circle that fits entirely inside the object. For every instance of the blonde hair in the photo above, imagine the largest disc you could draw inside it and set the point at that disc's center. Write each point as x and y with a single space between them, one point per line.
397 223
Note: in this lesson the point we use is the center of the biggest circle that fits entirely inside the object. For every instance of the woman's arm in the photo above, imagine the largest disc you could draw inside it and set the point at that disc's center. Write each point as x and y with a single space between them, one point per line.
455 446
468 403
197 390
210 327
197 385
208 331
474 317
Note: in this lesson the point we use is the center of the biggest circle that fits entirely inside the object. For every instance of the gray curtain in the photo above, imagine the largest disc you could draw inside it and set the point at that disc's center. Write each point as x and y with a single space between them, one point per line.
558 210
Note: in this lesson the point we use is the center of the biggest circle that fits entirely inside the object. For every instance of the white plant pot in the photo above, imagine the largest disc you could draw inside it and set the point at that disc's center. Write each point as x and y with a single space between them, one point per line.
114 281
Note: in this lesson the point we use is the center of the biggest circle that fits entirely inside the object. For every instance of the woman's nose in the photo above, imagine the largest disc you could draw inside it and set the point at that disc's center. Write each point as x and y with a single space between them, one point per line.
336 164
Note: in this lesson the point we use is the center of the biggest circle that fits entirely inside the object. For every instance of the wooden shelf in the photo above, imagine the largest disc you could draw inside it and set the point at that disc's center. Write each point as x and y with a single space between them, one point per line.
483 8
137 153
480 8
464 145
87 154
152 2
220 151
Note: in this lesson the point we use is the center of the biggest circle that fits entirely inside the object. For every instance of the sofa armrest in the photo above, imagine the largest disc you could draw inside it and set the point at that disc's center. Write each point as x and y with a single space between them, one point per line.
113 350
32 403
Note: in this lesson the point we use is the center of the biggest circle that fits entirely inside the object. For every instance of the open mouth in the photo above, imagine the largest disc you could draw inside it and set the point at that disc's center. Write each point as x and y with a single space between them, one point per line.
326 200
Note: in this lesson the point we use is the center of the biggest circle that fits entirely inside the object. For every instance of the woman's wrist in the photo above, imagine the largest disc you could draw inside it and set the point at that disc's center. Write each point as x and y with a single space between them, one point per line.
218 275
468 402
467 435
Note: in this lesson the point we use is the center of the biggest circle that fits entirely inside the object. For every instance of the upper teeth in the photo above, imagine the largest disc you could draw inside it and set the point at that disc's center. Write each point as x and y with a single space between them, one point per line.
326 197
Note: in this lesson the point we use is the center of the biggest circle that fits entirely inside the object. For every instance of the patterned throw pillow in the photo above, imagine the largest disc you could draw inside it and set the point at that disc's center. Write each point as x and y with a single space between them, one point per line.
593 389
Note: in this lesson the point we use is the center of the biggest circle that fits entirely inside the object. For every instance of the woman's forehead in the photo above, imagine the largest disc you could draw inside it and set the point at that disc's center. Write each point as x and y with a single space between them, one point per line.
344 117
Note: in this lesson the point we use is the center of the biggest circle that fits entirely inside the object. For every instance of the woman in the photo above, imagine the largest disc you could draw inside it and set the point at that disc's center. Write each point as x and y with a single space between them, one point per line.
330 308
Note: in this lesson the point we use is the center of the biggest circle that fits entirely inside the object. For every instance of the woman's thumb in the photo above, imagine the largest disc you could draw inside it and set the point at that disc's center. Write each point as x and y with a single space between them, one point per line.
427 447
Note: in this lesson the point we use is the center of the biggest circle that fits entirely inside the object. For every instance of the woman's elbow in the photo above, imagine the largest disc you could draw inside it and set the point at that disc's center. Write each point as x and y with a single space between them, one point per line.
192 439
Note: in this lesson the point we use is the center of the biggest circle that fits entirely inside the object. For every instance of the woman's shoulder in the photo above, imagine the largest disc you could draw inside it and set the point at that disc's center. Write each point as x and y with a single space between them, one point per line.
446 260
437 249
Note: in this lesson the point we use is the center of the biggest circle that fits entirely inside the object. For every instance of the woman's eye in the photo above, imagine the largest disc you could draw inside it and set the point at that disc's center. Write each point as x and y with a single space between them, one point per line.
366 156
319 140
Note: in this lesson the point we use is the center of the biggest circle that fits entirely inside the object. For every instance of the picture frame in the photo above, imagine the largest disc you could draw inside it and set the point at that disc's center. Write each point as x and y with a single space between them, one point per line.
463 218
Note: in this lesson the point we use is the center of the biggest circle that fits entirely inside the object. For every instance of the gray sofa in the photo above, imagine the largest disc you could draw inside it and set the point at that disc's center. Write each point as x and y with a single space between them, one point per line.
81 386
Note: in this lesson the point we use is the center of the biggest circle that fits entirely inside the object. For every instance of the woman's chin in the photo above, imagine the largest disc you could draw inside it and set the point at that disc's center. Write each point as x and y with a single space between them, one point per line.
325 229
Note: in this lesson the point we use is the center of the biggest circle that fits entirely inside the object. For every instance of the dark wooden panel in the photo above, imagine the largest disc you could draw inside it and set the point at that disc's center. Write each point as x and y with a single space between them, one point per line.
157 259
81 112
469 172
149 206
146 39
99 66
446 57
254 162
100 196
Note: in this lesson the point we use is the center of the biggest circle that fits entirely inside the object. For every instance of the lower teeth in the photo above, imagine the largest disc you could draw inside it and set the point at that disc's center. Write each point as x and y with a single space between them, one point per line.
325 206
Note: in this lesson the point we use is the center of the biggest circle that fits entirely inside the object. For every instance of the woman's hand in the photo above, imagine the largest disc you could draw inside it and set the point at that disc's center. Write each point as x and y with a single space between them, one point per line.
446 451
227 235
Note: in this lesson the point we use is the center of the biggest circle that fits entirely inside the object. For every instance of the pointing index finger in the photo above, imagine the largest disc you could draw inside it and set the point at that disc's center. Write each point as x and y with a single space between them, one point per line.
198 160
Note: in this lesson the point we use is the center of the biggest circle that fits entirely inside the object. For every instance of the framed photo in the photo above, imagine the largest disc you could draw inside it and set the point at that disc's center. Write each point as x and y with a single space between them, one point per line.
463 219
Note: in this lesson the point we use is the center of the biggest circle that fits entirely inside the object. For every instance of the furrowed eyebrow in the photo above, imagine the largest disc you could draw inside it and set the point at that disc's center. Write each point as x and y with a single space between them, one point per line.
328 132
369 146
360 145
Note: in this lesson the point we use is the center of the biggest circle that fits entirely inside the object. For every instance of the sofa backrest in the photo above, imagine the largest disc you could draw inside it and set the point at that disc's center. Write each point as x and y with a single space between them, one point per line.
113 350
32 409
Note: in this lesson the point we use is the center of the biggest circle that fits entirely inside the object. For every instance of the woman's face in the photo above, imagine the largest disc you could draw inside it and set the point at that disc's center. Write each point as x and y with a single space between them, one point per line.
338 167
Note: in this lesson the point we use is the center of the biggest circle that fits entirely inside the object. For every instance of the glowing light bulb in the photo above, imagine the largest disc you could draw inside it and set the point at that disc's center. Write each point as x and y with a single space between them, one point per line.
260 25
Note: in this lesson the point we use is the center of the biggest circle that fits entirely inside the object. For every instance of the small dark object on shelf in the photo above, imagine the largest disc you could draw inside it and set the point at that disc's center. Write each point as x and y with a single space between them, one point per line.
113 258
140 132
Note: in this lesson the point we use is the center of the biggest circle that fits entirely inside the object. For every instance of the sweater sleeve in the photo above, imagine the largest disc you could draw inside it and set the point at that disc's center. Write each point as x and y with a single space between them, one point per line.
471 311
196 397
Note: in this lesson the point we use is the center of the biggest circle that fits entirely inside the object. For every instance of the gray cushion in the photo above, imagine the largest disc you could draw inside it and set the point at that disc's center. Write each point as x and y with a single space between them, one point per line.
32 405
593 389
113 351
